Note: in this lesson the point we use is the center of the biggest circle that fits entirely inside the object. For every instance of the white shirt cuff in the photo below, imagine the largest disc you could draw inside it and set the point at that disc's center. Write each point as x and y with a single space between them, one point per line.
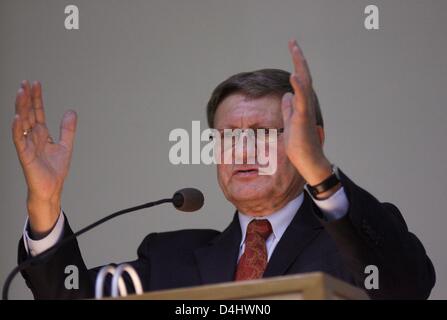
34 247
335 207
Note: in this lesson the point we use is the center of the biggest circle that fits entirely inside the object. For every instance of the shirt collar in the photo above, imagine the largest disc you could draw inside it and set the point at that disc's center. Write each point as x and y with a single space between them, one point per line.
279 220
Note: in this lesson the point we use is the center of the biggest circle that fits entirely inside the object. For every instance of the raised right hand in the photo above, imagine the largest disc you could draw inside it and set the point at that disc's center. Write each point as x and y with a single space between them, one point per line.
45 162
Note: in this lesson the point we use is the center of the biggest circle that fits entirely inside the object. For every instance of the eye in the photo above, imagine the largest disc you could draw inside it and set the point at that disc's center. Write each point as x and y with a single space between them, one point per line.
263 132
268 132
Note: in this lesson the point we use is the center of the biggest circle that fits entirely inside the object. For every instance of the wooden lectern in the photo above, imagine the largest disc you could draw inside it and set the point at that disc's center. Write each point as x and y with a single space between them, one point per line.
308 286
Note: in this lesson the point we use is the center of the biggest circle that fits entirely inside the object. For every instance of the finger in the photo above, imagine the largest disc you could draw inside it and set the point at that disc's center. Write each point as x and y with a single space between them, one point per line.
300 63
21 109
299 97
68 129
17 134
301 102
286 106
28 103
36 95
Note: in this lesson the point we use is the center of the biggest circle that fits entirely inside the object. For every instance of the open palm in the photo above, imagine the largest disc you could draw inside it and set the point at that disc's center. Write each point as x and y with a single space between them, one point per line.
45 163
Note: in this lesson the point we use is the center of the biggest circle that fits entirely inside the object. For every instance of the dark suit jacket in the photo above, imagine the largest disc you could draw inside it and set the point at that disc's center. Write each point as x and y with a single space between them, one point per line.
372 233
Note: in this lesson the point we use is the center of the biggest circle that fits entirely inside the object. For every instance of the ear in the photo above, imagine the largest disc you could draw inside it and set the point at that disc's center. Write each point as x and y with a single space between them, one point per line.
321 136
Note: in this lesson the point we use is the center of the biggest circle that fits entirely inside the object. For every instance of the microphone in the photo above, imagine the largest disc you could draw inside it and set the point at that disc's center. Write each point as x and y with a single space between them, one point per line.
187 200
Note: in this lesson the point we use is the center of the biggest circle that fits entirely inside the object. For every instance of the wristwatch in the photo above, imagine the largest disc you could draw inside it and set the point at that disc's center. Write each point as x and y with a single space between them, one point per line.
326 184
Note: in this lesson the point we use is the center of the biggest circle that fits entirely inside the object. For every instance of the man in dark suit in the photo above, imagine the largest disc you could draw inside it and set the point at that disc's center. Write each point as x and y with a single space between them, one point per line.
305 216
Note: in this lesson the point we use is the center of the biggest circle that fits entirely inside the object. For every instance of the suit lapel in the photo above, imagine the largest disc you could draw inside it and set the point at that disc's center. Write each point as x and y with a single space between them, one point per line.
301 231
217 261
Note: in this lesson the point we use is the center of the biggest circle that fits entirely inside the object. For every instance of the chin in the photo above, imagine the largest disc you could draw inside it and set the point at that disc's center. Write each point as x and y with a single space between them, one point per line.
249 192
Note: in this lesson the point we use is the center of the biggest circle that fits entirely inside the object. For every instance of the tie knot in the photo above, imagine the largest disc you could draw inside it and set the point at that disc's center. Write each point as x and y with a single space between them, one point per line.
262 228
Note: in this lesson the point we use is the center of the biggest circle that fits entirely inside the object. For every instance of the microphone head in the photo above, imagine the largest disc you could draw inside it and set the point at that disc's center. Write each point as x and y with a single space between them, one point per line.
188 199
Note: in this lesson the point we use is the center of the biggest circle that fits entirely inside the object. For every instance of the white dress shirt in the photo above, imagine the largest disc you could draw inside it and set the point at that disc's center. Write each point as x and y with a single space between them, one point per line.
334 207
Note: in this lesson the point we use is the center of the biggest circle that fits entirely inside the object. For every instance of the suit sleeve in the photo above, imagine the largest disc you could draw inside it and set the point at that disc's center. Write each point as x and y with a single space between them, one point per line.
375 233
47 278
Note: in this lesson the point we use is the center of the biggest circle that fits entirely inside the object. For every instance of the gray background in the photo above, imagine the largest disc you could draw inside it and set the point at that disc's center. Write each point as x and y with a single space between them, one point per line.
137 69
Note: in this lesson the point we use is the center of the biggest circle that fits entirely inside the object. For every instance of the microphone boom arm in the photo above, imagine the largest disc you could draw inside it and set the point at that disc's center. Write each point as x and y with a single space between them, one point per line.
45 254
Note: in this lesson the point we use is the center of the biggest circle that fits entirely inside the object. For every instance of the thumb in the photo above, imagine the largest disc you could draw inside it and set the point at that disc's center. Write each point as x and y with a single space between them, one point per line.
68 129
286 106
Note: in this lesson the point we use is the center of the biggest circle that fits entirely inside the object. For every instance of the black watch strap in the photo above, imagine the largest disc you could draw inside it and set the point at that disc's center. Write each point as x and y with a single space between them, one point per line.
325 185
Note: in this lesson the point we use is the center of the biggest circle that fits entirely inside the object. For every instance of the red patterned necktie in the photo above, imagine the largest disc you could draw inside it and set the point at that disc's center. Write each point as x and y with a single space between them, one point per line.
253 261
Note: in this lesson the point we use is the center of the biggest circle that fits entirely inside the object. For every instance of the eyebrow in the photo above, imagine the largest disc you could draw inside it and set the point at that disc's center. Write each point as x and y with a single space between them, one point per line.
257 125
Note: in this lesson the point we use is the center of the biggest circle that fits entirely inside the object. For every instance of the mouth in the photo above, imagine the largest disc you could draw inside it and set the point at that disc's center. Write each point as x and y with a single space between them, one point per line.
246 172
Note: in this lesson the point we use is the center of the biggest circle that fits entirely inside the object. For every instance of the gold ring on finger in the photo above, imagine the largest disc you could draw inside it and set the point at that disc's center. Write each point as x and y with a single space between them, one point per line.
27 131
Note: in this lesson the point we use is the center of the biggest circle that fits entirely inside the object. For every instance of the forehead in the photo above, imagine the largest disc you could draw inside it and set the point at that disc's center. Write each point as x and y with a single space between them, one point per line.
237 110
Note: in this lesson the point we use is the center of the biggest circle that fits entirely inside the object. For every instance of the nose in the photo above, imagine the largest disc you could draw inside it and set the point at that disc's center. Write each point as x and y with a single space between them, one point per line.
245 148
